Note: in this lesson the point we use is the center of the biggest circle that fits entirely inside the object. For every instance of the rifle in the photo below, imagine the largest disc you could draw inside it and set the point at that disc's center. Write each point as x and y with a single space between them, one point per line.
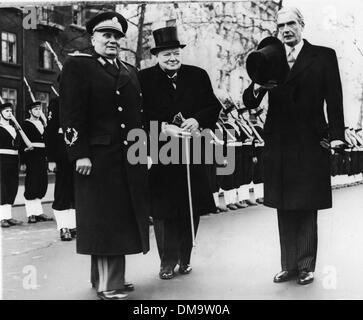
33 99
21 132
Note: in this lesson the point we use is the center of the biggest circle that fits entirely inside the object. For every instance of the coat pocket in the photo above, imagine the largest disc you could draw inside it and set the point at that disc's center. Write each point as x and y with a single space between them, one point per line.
104 140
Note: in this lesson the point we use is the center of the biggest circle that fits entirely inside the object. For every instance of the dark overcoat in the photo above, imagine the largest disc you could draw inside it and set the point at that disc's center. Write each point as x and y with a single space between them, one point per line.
296 166
194 98
99 105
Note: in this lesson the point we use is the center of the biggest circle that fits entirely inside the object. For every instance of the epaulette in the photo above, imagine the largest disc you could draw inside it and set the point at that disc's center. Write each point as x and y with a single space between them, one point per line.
80 55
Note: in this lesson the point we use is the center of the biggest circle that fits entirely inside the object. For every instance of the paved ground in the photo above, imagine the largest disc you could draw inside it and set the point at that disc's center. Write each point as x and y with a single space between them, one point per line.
236 256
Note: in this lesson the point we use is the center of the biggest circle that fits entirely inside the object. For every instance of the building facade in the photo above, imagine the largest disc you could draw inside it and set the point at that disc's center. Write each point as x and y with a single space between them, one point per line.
25 56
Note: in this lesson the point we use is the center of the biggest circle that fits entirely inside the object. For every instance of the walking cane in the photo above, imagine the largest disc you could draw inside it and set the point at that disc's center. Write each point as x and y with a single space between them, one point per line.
187 155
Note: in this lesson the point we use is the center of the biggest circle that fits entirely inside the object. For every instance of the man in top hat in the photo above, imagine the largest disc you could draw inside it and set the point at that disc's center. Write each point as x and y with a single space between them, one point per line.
63 204
9 166
100 102
296 165
170 88
34 163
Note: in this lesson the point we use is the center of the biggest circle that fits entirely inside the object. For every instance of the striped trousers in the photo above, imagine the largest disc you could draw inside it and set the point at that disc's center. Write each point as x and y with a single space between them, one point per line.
108 272
298 232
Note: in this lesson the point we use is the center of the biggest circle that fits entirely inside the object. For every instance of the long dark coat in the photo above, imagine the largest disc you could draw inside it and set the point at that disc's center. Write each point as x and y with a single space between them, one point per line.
99 105
194 98
296 166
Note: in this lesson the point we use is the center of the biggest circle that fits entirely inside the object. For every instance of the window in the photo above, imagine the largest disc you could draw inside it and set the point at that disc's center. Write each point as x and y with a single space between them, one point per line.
8 47
45 57
9 95
76 15
43 97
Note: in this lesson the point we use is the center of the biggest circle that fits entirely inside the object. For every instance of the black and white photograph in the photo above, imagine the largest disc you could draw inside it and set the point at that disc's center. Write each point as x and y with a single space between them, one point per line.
181 151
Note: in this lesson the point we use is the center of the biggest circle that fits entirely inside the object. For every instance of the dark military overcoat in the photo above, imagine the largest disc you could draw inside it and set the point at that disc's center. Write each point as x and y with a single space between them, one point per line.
99 105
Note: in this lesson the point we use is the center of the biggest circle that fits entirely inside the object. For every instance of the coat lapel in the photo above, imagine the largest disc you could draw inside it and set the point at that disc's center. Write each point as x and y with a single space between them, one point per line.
121 75
304 59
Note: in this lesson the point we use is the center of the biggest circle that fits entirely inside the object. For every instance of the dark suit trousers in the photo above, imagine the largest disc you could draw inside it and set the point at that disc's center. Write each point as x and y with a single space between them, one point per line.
107 272
298 239
174 240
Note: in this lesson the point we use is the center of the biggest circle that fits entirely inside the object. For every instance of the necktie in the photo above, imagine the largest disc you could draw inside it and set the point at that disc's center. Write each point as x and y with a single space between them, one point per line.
115 64
173 80
291 57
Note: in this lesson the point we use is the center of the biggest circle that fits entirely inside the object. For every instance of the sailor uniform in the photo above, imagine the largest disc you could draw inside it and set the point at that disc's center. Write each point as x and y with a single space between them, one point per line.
36 179
63 204
9 169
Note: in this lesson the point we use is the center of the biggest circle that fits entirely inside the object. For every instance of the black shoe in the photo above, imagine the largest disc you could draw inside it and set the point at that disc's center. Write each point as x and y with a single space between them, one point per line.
220 210
73 232
232 206
5 224
305 277
112 295
185 269
43 217
284 276
251 203
259 200
14 222
32 219
241 205
128 287
65 234
166 273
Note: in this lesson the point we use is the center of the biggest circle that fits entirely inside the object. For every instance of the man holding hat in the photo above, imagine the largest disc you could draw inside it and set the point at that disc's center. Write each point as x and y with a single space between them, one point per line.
9 166
100 102
171 90
34 163
299 78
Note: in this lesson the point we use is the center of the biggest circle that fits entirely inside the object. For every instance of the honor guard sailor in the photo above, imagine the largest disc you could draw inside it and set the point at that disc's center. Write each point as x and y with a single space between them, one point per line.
34 163
100 102
63 204
9 166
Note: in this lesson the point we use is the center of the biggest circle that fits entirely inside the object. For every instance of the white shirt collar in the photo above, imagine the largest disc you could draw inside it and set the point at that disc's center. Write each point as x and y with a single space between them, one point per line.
112 61
297 48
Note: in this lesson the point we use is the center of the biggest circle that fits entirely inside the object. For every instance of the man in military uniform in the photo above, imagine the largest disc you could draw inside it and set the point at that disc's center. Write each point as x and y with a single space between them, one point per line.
9 166
63 204
100 102
34 163
171 88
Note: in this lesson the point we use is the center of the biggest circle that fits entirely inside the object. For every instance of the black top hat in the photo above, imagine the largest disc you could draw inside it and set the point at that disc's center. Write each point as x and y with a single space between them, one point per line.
165 38
108 20
268 62
5 106
33 105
